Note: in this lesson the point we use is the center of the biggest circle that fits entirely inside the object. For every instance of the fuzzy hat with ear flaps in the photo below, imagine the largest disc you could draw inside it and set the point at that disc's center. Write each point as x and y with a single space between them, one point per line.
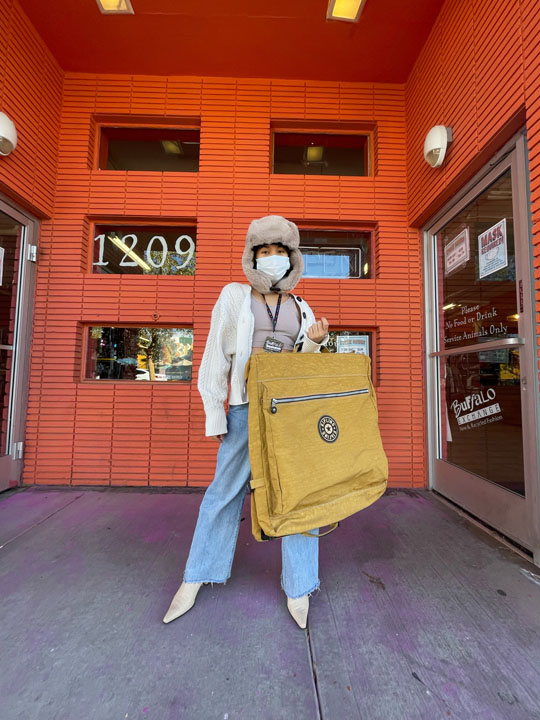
266 231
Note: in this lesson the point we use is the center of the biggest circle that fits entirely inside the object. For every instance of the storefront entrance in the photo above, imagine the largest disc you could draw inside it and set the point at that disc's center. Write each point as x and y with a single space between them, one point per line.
481 346
17 268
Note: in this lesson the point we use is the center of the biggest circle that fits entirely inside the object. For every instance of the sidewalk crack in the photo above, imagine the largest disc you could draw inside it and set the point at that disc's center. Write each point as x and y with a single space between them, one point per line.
31 527
315 680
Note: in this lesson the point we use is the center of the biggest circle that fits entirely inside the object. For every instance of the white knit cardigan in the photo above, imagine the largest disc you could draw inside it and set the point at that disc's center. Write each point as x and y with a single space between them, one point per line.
228 348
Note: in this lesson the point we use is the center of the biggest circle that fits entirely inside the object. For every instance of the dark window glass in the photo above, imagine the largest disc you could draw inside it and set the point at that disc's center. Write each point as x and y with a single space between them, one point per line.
320 154
127 353
143 250
333 254
483 426
154 149
11 233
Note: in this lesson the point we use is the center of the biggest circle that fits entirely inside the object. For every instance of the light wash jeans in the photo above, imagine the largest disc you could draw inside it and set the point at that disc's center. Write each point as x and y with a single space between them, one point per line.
212 549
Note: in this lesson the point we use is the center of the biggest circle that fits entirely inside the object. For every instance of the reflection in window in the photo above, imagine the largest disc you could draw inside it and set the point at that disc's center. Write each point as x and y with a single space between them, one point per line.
482 430
477 272
320 154
143 250
336 254
150 149
127 353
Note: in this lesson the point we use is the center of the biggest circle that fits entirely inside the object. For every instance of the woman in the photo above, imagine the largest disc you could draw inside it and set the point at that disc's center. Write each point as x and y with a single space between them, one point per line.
248 319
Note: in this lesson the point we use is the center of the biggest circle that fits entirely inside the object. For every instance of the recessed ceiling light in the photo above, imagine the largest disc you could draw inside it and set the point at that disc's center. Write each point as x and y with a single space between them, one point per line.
346 10
314 154
172 147
119 7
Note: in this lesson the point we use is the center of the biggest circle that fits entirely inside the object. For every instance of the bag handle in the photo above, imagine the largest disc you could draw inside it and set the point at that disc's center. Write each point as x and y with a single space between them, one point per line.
333 526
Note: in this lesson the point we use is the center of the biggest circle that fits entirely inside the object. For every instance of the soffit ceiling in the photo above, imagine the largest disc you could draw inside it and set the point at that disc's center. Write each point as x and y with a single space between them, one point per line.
262 38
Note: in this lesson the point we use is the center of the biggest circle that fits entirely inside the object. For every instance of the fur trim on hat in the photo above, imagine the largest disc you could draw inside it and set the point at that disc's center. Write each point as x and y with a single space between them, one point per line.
266 231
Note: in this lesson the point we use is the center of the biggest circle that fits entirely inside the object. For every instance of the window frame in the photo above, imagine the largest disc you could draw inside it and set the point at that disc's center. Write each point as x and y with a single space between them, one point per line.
85 326
371 228
306 127
373 332
133 122
127 222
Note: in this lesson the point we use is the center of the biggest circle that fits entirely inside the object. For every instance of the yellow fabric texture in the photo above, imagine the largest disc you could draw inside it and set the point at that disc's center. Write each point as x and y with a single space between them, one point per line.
314 460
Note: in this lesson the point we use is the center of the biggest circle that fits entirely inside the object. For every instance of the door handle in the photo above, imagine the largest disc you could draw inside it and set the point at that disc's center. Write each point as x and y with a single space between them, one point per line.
478 347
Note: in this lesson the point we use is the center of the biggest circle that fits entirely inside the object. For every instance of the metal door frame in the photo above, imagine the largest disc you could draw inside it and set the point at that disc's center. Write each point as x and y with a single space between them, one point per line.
11 456
510 513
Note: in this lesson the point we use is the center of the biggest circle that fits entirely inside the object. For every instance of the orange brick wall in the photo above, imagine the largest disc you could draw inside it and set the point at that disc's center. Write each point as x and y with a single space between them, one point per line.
479 73
136 433
31 95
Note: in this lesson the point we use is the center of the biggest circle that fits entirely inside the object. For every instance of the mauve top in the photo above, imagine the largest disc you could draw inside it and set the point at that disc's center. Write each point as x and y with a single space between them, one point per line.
288 324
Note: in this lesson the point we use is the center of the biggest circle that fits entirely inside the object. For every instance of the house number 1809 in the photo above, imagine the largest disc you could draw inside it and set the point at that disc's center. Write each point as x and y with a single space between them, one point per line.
162 248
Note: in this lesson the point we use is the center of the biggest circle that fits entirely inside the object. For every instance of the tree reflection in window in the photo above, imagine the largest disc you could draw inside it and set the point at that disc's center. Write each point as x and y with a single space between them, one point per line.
154 354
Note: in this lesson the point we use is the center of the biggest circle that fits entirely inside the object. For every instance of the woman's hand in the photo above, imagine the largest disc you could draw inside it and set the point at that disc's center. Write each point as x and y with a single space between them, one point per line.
219 438
318 331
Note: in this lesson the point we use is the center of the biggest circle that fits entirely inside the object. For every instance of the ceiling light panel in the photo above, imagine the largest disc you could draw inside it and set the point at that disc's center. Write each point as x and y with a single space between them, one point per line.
115 7
346 10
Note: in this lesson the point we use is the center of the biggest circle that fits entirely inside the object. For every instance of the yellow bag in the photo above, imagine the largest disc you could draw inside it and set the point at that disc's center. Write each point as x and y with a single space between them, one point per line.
314 443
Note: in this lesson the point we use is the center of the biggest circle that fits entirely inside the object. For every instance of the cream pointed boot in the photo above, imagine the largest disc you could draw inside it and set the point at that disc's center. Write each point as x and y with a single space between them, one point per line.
182 601
299 608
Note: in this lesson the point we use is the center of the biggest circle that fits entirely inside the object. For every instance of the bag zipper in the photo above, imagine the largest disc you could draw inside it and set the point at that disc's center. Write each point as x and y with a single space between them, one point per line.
276 401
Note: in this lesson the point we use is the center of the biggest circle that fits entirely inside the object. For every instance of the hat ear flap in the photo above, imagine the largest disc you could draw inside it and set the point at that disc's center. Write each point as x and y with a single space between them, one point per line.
259 280
295 240
287 283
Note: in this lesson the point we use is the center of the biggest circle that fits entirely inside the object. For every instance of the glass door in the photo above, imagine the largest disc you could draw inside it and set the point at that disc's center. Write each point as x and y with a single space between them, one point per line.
17 260
484 402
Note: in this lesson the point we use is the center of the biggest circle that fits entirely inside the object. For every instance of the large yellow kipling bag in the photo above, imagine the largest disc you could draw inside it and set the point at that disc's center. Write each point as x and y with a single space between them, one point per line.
314 444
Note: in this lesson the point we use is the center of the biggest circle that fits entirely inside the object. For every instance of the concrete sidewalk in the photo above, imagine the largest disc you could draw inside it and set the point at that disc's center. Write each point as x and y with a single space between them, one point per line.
420 615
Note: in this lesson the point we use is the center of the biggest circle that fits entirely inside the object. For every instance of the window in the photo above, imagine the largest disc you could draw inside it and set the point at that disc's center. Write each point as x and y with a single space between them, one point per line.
477 247
144 250
320 154
336 254
128 353
153 149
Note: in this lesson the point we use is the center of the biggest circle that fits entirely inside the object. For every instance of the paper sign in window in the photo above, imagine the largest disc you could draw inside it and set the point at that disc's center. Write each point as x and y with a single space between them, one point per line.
457 252
492 250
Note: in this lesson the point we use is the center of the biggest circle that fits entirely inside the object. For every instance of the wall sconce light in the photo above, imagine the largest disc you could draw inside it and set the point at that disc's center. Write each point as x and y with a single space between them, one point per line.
435 145
345 10
8 135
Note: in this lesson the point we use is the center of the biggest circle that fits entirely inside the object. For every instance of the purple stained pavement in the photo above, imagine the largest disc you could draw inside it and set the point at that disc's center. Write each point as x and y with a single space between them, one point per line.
420 615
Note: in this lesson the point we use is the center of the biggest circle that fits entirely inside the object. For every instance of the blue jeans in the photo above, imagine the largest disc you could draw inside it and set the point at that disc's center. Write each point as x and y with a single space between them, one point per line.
214 541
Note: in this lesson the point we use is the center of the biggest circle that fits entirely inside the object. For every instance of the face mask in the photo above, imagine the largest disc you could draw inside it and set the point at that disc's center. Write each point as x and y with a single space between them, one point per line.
275 266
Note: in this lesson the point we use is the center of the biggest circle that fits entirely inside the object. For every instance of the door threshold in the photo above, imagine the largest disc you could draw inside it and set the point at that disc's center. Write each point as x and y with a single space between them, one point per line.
504 539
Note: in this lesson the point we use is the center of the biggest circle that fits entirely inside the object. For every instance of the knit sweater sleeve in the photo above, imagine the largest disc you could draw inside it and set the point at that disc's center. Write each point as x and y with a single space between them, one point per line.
215 365
309 345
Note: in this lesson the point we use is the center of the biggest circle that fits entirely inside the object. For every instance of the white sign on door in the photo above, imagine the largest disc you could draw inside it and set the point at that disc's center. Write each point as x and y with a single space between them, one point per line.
492 250
456 252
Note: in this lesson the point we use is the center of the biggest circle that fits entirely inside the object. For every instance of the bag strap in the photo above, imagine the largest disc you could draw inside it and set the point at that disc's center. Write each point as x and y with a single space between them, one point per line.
332 528
323 348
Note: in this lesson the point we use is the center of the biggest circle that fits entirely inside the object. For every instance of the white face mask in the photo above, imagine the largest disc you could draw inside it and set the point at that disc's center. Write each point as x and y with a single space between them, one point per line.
275 266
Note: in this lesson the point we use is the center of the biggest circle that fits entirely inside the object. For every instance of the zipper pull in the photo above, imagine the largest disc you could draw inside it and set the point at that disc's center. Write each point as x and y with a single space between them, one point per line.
273 406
